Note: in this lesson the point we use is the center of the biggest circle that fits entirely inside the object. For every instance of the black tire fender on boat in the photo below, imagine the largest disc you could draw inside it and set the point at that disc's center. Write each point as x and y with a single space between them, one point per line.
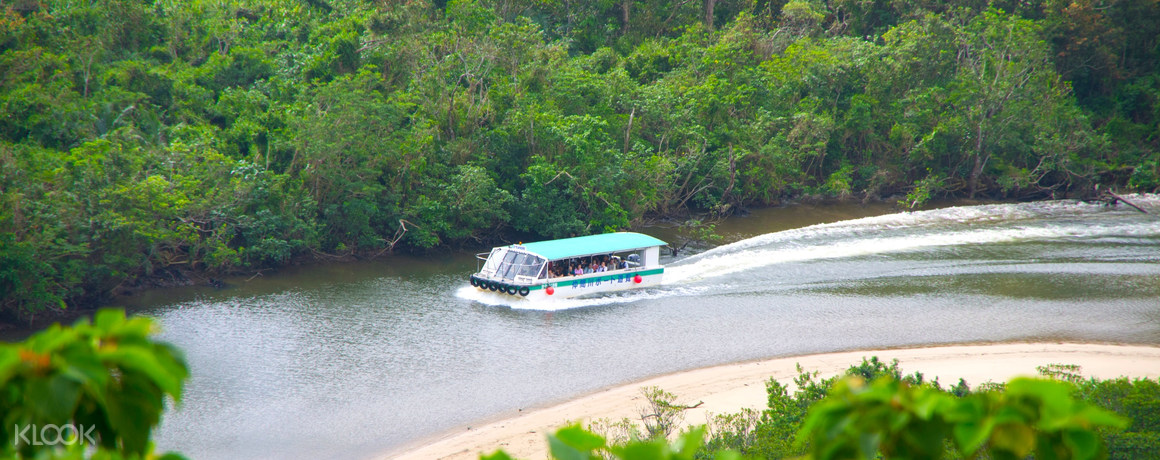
512 290
492 285
524 291
474 282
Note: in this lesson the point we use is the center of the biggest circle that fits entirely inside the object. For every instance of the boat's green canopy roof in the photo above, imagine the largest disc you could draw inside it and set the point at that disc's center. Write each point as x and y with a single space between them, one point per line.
592 244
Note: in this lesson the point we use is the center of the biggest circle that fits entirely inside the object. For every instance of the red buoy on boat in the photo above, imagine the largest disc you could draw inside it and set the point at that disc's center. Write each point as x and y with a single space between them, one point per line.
550 290
637 279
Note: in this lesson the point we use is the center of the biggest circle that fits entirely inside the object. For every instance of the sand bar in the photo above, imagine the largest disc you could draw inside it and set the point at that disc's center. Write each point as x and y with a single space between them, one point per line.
729 388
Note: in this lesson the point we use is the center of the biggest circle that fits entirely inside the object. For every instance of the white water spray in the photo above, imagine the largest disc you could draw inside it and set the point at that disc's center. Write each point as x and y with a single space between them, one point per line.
889 234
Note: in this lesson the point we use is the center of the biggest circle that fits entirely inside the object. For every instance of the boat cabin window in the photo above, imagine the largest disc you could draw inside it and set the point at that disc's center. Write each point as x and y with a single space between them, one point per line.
509 261
594 264
533 266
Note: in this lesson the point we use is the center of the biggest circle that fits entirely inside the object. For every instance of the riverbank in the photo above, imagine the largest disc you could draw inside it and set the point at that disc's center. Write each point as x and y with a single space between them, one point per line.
800 212
730 388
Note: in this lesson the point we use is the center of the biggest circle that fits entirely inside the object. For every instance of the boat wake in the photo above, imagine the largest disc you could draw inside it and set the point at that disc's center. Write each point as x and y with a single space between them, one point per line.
922 232
925 231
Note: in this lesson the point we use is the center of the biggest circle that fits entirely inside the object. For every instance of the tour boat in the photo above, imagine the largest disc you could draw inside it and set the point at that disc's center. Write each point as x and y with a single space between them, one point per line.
571 267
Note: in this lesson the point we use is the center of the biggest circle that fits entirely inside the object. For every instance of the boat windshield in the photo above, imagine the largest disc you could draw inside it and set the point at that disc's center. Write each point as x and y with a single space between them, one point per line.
519 264
495 259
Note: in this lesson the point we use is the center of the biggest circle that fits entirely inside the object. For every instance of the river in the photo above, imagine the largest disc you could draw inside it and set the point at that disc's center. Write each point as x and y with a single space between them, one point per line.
352 360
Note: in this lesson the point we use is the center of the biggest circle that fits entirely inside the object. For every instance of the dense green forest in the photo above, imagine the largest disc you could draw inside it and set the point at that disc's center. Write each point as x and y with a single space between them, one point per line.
163 139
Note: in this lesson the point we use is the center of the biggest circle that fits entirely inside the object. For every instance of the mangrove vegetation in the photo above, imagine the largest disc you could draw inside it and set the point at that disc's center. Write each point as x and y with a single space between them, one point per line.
145 142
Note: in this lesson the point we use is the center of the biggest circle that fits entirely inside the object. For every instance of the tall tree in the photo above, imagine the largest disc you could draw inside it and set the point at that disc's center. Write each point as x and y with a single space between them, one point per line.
1003 67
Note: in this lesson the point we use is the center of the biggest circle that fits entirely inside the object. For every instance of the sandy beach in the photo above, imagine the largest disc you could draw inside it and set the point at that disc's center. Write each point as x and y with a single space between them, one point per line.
729 388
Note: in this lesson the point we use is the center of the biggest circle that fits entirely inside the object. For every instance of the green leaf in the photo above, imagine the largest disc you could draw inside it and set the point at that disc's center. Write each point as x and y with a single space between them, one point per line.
580 438
133 412
53 400
108 319
1016 438
1099 417
53 338
727 455
1056 404
9 362
869 442
82 365
574 445
1084 444
690 442
145 361
656 449
970 435
497 455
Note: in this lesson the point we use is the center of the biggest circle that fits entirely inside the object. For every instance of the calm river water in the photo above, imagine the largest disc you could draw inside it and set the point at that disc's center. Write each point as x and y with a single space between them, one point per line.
354 360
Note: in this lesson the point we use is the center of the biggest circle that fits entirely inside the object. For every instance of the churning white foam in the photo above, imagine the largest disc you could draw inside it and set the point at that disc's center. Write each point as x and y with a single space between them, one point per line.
968 225
894 233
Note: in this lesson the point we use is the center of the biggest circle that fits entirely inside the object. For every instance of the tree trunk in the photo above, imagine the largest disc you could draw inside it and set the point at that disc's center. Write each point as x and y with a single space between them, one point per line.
732 176
977 170
628 131
625 9
709 4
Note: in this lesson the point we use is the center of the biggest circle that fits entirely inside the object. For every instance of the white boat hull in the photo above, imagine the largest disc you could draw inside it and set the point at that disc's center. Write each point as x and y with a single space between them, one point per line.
582 285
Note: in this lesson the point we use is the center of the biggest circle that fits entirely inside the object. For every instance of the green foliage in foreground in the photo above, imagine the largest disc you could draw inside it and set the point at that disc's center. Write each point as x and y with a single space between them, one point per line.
172 140
576 443
898 420
108 379
876 412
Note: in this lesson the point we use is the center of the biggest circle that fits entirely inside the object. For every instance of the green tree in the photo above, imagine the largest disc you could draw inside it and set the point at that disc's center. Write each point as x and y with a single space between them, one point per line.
1004 79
